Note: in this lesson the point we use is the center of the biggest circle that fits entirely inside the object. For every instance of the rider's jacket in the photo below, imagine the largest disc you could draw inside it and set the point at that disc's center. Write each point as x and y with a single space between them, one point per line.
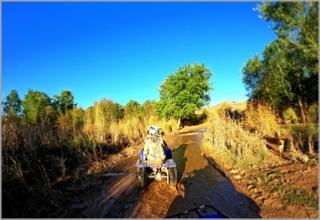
153 147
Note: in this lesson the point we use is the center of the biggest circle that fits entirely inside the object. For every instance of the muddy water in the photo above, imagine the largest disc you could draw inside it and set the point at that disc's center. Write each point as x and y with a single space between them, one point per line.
200 183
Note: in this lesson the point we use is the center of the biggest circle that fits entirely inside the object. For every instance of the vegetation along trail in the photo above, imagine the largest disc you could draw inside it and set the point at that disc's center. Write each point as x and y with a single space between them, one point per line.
199 183
258 158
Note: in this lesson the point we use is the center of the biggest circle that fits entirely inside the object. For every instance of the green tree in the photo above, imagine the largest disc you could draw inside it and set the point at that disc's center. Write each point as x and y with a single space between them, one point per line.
296 23
253 71
63 102
288 71
184 92
74 118
34 106
149 108
66 100
132 108
112 111
12 105
270 79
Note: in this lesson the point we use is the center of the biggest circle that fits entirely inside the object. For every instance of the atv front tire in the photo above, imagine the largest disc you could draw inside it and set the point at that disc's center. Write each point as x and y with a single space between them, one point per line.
141 177
172 176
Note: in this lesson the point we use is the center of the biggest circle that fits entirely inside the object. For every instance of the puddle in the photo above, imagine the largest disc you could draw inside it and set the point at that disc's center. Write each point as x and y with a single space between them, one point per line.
200 183
188 155
202 130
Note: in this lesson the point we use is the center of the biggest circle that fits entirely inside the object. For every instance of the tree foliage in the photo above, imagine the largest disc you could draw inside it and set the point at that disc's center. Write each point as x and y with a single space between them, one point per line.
287 72
12 105
34 105
112 111
297 24
149 108
185 91
63 102
132 108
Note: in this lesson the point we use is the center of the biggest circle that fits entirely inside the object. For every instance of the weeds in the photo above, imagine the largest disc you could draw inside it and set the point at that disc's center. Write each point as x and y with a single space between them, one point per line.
244 146
262 119
304 137
300 197
275 182
290 116
233 143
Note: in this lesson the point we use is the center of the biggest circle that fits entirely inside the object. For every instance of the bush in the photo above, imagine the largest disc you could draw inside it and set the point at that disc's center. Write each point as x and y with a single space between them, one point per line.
312 114
305 137
261 118
290 116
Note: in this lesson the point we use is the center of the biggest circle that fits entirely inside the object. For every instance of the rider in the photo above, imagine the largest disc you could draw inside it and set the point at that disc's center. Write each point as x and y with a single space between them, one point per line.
153 144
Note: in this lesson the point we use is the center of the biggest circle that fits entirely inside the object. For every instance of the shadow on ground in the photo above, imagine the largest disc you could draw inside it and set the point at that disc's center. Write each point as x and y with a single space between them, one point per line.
207 186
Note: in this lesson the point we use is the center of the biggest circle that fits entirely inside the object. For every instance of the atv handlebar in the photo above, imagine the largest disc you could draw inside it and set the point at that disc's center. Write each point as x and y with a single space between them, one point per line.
197 210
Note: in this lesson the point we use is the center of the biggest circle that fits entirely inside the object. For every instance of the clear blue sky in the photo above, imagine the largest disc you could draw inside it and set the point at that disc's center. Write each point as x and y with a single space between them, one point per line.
124 50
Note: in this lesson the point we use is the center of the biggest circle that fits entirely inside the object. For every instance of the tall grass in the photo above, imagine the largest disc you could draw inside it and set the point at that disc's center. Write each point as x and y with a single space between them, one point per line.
59 148
244 143
233 143
127 131
30 163
304 136
262 119
290 116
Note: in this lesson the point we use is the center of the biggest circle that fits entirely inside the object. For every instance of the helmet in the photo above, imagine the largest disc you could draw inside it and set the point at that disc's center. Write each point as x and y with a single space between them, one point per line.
154 130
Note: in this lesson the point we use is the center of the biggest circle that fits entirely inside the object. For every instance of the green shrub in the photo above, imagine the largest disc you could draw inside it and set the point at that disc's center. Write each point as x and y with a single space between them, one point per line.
305 136
290 116
312 114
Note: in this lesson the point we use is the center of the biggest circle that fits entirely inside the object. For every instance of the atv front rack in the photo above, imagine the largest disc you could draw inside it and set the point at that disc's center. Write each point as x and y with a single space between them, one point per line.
156 163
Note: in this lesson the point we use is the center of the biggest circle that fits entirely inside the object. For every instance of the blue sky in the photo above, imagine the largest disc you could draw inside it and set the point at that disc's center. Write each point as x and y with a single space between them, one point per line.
123 50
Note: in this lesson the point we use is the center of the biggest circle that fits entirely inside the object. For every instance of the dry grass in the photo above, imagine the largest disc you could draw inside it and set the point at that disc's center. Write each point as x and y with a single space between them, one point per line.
262 119
37 157
302 137
237 146
244 143
127 131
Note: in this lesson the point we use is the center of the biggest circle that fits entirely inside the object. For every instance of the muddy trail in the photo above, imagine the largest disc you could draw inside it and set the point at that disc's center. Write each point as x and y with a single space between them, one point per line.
199 182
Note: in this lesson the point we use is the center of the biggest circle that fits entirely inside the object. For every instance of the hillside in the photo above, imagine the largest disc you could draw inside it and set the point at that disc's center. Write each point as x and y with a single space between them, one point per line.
240 106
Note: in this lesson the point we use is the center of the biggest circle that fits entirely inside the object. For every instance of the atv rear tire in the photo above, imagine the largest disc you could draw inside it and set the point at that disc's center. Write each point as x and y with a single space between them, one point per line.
141 177
172 177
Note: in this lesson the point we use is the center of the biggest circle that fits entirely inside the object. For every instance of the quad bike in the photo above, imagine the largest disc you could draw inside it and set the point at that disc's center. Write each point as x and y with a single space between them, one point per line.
156 169
204 211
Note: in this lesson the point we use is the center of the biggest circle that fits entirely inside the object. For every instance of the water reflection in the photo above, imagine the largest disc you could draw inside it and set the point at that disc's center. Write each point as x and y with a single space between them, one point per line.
180 159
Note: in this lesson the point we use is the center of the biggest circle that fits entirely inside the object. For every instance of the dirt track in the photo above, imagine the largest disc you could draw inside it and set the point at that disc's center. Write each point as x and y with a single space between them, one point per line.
199 182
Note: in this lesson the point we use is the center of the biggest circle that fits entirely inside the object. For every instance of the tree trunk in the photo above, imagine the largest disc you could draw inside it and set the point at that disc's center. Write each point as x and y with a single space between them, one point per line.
311 148
179 123
310 143
302 111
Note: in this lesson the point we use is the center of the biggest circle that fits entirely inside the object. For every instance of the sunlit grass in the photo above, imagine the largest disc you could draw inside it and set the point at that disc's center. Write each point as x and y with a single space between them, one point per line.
232 143
242 146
